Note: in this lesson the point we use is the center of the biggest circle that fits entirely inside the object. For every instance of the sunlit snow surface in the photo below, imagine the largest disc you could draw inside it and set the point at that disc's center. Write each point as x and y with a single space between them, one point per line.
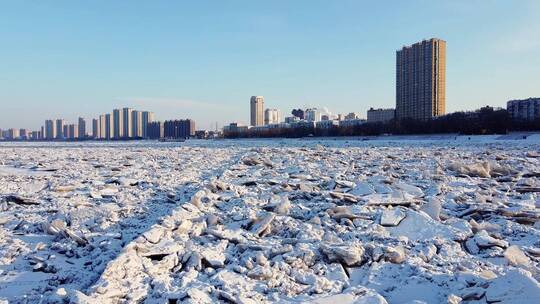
392 220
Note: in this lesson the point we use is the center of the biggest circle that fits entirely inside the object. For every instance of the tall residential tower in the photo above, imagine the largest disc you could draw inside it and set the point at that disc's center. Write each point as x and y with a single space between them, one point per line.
257 110
118 124
128 122
421 80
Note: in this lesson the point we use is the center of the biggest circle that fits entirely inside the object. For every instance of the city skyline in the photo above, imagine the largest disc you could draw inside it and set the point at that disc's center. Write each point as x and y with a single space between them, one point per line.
307 54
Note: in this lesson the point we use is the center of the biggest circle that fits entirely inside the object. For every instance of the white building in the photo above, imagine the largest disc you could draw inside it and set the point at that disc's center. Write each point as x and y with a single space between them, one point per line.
272 116
318 114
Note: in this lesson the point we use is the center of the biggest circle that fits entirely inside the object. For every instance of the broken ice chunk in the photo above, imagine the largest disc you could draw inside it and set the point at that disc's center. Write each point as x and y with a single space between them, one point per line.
392 216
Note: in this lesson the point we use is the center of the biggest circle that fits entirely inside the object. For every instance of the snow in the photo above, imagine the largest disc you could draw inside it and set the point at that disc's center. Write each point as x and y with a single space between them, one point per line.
436 219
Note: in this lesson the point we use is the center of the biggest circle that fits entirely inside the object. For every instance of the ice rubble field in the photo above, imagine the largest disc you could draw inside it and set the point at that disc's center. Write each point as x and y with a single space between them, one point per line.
288 221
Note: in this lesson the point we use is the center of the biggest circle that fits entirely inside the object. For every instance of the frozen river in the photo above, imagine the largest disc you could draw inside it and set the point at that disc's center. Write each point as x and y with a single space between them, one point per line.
427 219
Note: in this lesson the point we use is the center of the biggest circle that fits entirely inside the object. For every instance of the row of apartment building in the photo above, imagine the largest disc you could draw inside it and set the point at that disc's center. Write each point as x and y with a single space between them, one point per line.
183 128
120 124
123 123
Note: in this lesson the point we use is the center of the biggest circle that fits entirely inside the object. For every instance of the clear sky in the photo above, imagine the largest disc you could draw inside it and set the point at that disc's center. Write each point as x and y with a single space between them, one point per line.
204 59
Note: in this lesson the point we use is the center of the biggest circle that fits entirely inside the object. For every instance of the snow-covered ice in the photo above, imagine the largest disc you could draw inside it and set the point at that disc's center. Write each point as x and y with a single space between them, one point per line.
255 221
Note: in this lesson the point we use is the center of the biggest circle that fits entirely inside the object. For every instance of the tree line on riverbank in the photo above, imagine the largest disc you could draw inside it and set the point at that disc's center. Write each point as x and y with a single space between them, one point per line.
484 121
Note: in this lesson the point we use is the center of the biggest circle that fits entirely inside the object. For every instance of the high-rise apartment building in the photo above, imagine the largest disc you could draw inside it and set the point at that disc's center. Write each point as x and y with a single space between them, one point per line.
118 124
102 127
136 124
50 129
95 128
82 128
154 130
59 129
72 131
272 116
65 133
128 122
183 128
257 110
13 134
109 126
421 80
147 117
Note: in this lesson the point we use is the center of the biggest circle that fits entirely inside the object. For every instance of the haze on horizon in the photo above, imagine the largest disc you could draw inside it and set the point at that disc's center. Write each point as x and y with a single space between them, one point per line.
204 59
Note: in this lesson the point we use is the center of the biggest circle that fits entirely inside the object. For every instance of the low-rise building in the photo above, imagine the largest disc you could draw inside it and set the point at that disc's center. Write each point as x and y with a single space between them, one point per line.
380 115
327 124
352 115
524 109
351 122
292 119
201 134
235 127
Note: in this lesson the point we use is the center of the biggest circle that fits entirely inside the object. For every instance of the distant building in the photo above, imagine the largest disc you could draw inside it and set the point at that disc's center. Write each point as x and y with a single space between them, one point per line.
272 116
235 127
13 134
327 124
380 115
524 109
102 127
24 133
147 117
201 134
82 128
71 131
109 126
154 130
35 135
118 124
352 115
313 115
183 128
50 129
127 117
96 132
291 119
65 132
351 123
421 80
256 110
136 124
316 114
59 129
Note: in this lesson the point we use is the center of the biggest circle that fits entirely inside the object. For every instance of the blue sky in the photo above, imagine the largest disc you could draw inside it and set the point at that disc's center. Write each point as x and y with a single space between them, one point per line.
204 59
